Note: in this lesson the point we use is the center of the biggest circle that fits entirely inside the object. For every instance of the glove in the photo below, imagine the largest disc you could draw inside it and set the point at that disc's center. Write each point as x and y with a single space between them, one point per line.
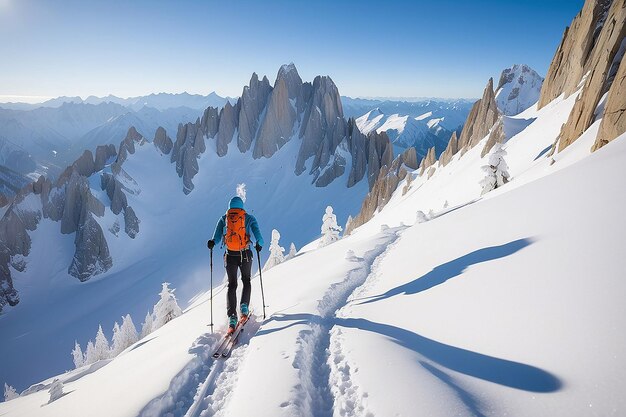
258 247
210 244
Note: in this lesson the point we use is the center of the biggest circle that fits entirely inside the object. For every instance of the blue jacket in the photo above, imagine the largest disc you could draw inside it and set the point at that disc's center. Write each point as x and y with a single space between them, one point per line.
251 226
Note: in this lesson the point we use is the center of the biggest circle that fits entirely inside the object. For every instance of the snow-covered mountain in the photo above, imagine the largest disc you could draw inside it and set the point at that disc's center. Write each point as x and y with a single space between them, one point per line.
518 89
491 340
110 212
504 303
406 131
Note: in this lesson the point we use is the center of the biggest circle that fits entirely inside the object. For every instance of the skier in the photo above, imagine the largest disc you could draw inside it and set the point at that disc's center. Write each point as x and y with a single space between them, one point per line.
238 226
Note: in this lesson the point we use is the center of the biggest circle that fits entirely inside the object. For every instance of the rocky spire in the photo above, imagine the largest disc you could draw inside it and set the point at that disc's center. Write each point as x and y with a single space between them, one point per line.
229 119
572 58
162 142
253 100
614 120
482 117
451 150
603 63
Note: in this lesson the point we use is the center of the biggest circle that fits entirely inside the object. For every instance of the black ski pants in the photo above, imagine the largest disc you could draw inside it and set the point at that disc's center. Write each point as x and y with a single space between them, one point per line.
236 260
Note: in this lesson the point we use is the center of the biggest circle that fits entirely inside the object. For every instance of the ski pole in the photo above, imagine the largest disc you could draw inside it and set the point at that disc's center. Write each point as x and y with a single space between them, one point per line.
211 263
258 256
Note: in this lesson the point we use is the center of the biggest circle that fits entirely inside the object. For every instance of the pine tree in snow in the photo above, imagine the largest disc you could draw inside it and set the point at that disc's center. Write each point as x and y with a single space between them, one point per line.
129 331
116 341
101 346
497 171
421 217
146 327
56 390
330 228
77 356
90 354
292 251
431 214
9 392
277 252
166 309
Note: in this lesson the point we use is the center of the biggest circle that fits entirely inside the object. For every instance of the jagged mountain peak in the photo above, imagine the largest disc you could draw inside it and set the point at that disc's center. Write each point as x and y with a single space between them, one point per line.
518 89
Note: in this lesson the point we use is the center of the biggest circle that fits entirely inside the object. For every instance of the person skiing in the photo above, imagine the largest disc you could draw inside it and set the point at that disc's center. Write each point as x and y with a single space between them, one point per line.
235 229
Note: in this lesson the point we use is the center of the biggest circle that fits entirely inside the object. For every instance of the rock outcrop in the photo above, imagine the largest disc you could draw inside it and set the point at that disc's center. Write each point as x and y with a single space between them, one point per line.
84 165
103 154
127 146
188 147
496 136
451 150
482 117
253 101
131 222
602 65
428 161
92 255
572 58
162 141
357 144
228 120
614 120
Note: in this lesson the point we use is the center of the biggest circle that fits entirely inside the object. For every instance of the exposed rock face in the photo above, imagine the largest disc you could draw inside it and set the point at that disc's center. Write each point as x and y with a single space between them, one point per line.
518 89
115 192
388 179
127 146
79 203
357 143
92 255
571 60
496 136
229 117
284 106
131 222
614 121
451 150
187 148
323 126
253 100
162 142
482 117
210 122
602 64
84 165
380 153
103 154
428 161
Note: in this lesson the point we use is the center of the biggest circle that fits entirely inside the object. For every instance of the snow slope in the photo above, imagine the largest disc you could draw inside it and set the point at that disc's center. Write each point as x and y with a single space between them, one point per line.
510 304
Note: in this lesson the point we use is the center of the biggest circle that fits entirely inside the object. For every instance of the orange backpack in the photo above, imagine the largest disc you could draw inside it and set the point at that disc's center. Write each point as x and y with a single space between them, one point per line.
236 238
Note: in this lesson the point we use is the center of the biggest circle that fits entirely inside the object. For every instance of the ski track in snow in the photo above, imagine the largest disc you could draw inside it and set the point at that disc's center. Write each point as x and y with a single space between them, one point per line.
317 394
202 388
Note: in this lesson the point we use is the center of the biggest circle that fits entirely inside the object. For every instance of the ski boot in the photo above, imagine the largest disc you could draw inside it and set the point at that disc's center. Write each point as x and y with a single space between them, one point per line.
232 324
244 312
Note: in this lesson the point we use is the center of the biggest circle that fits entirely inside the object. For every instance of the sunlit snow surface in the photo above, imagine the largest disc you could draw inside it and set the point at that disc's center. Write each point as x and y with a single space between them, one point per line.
509 304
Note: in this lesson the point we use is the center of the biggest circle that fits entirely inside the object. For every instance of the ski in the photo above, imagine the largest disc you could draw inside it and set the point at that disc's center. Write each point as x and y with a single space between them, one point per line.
234 338
221 346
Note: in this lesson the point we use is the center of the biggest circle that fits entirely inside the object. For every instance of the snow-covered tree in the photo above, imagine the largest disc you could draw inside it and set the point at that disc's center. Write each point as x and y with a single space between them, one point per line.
116 341
420 216
9 392
129 331
445 204
431 214
101 346
90 354
146 327
166 309
56 390
497 171
77 355
330 228
292 251
277 252
123 336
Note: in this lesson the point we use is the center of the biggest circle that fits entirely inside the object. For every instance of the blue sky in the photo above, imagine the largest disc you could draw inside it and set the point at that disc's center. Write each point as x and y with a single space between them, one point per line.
437 48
